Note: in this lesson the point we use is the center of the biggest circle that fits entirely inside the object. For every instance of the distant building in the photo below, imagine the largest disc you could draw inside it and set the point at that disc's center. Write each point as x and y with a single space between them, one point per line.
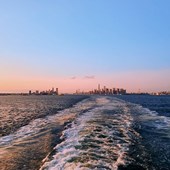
56 92
36 92
99 88
104 91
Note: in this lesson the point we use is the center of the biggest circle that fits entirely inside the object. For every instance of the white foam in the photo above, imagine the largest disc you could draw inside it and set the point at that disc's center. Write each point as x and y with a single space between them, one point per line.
37 125
68 157
156 121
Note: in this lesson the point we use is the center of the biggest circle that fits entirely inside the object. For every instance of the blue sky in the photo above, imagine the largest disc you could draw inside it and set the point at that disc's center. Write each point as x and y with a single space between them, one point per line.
83 37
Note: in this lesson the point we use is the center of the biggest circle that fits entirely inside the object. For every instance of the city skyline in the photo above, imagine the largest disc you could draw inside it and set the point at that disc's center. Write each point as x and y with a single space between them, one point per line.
77 44
70 84
103 91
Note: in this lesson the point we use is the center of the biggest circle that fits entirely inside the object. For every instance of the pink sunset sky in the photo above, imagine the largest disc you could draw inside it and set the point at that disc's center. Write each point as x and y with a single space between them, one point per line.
146 81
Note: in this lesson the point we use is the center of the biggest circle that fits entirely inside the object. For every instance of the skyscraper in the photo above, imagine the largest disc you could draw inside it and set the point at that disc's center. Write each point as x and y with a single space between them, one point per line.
56 91
53 90
98 87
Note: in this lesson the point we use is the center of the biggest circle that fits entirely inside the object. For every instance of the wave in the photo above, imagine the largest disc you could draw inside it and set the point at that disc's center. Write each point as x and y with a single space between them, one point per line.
151 118
100 132
39 125
96 139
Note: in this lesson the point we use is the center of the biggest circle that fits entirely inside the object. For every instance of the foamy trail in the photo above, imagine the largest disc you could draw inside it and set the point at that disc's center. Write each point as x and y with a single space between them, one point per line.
100 132
41 125
96 139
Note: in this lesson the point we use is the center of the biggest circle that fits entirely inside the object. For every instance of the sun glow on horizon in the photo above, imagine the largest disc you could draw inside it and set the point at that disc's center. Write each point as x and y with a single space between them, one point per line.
132 81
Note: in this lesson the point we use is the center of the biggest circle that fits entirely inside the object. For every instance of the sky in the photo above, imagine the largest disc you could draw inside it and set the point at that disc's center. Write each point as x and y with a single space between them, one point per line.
78 44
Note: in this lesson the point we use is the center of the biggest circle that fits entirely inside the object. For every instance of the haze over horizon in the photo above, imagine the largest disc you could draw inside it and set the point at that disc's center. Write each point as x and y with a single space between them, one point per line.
79 44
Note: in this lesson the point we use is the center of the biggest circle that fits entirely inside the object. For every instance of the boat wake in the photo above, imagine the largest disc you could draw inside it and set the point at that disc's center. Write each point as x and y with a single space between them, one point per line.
96 139
100 132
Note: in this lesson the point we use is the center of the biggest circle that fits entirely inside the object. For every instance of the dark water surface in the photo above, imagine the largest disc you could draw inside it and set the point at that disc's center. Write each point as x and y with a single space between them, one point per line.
153 124
30 127
98 132
17 111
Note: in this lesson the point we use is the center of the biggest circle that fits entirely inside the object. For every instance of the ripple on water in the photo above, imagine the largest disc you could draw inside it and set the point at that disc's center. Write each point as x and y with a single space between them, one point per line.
97 139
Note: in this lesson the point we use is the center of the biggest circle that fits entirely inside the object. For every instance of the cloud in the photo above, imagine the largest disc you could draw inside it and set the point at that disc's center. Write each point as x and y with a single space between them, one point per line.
85 77
89 77
73 78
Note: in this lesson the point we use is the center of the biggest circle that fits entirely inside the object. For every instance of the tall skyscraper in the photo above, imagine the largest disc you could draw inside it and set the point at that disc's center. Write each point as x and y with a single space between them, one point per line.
104 89
56 91
99 87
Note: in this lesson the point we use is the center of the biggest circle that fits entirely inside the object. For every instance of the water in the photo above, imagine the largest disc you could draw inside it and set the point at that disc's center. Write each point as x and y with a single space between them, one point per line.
153 124
98 132
30 127
17 111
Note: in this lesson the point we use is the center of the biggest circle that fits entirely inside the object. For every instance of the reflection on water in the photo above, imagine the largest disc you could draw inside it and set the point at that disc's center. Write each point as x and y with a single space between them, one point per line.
100 132
26 147
26 155
17 111
97 139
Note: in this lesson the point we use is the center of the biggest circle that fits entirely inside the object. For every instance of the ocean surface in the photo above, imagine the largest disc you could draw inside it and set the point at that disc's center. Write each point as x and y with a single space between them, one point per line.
85 132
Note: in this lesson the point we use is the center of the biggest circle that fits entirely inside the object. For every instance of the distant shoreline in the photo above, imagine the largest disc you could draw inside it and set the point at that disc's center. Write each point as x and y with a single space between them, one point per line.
26 94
